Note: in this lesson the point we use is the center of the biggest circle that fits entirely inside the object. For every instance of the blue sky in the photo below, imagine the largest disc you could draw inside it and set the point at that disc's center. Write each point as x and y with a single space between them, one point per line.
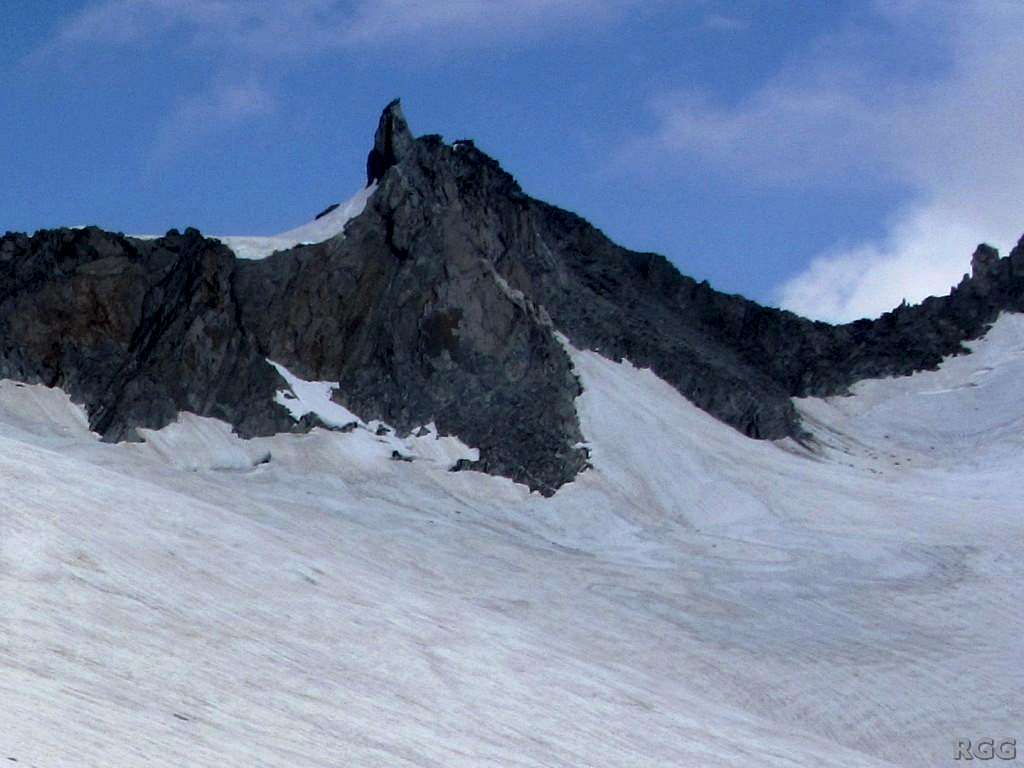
830 157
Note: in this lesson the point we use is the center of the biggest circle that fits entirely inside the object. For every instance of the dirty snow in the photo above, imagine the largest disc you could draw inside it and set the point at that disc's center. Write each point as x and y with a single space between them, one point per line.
697 599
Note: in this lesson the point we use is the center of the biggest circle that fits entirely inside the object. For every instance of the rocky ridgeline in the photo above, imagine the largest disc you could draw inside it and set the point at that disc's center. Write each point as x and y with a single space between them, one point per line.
442 303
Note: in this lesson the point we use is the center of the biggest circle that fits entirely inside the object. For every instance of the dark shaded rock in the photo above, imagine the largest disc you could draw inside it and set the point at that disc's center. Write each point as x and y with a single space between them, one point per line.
409 315
137 330
310 421
329 209
737 360
984 267
397 456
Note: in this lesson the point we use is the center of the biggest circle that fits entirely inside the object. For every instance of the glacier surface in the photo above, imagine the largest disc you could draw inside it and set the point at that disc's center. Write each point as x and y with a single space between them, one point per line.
695 599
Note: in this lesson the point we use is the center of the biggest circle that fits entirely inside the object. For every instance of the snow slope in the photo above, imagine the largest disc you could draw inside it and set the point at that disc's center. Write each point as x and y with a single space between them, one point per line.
317 231
697 599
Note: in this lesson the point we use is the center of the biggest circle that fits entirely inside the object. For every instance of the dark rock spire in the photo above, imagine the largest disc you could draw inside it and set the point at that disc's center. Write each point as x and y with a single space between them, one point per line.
984 261
391 144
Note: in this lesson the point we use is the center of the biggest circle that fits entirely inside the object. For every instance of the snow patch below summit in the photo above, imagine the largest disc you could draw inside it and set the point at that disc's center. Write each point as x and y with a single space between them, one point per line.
316 397
317 231
327 226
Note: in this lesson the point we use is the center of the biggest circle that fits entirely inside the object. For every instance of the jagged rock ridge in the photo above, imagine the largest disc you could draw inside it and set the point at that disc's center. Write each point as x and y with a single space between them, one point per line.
441 303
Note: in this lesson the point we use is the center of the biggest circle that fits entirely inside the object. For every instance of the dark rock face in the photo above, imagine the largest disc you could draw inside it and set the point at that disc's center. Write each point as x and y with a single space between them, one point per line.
329 209
740 361
440 303
414 322
138 331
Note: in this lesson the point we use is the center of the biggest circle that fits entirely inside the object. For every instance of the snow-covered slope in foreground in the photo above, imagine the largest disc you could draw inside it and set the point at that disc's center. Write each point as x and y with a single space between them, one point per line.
697 599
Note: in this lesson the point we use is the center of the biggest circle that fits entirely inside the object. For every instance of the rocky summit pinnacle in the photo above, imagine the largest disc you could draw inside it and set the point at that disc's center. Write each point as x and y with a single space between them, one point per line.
447 300
392 142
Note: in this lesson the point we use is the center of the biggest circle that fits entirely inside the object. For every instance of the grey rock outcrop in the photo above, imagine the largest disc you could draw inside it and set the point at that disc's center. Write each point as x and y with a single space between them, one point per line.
136 330
440 303
392 143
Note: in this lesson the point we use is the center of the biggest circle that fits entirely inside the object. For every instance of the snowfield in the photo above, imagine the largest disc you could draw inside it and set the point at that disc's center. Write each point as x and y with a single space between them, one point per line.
696 599
328 225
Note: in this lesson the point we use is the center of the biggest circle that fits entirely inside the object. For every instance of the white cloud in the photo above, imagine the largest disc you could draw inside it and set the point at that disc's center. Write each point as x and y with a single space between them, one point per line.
926 252
778 134
951 136
242 36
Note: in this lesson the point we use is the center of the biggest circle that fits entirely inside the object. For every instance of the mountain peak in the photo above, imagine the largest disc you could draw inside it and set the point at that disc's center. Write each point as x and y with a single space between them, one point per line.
446 299
391 143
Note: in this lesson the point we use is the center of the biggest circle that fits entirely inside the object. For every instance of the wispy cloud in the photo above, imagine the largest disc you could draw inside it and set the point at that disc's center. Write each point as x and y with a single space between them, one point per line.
249 36
951 136
224 105
779 134
273 28
384 20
